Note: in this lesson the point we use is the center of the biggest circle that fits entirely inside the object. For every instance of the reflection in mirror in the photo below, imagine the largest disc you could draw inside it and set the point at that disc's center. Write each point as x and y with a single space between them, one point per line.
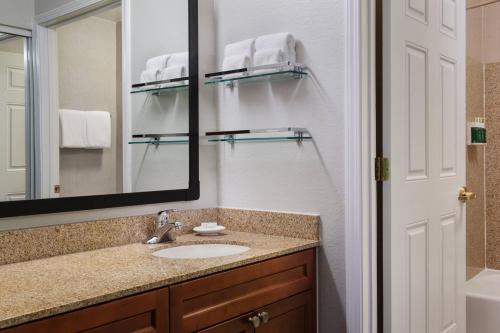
118 114
159 149
12 119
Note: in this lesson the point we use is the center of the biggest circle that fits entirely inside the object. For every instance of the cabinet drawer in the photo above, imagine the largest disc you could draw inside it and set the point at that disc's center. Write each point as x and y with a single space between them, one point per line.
295 314
204 302
144 313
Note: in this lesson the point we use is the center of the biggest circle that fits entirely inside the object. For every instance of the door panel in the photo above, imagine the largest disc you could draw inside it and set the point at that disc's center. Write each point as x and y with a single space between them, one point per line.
424 137
12 127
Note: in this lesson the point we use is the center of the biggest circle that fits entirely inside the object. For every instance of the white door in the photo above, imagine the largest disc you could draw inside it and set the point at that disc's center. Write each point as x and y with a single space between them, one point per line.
424 129
12 127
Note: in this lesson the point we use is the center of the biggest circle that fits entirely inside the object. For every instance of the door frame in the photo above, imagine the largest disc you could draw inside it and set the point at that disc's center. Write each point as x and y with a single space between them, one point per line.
360 151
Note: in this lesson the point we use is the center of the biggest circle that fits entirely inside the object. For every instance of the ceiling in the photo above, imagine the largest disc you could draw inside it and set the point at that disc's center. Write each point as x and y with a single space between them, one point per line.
114 14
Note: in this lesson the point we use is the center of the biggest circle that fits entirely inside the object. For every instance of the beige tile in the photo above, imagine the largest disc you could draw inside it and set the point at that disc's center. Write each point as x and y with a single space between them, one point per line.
492 78
474 37
475 239
492 33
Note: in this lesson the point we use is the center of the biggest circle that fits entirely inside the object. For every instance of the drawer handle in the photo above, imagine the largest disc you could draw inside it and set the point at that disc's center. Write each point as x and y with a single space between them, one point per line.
255 321
264 317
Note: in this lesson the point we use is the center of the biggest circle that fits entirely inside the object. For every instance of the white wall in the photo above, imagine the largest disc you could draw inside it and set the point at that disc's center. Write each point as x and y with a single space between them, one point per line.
88 50
285 176
17 13
158 27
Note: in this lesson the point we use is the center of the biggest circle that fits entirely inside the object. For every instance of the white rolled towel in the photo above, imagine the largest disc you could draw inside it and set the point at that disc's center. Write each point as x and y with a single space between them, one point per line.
158 62
236 62
268 57
73 129
179 59
283 40
150 75
98 128
173 72
244 47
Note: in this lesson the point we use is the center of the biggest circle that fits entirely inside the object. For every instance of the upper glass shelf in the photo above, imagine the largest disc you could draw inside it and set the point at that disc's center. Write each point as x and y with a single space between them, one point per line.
281 71
163 86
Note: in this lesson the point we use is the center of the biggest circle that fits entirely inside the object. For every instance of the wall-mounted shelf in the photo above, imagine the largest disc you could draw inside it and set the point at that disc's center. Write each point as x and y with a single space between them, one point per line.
275 72
260 135
294 134
163 86
159 139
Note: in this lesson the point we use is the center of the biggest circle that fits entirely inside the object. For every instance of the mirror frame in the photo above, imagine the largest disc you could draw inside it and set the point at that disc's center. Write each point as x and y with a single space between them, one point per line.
59 205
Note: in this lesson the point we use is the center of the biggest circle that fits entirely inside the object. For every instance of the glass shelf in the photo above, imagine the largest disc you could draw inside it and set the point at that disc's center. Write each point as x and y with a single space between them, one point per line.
281 71
159 87
160 139
261 135
294 134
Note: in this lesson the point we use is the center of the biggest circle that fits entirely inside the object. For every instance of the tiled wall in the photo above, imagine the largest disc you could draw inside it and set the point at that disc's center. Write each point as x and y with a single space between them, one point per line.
475 154
483 173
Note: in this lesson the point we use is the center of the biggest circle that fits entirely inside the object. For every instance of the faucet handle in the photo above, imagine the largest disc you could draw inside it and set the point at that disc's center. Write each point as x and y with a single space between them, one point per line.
164 217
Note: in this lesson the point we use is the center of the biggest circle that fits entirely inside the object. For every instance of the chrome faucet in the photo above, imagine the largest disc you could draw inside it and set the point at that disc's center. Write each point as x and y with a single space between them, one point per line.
165 229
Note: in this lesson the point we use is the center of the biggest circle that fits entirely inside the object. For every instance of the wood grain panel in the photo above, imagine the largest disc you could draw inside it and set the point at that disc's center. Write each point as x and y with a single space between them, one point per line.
214 299
144 313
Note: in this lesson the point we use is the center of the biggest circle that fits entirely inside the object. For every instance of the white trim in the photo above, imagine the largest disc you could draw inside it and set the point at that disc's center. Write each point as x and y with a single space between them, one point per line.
126 97
15 31
71 9
359 182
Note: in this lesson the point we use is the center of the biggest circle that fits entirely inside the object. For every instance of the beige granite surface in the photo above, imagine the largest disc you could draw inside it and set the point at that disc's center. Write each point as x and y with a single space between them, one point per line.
270 223
40 288
36 243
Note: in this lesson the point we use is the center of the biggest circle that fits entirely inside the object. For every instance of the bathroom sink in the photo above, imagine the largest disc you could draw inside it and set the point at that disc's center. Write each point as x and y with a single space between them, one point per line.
199 251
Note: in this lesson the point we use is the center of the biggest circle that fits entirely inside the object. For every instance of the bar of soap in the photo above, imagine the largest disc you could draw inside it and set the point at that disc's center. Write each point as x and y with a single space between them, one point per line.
209 225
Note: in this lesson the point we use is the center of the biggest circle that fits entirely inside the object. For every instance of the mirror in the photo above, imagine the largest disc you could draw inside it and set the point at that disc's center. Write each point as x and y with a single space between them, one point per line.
114 118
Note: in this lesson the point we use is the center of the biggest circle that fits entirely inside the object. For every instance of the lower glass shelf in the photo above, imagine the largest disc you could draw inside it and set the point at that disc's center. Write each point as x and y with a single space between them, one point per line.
159 142
158 90
255 135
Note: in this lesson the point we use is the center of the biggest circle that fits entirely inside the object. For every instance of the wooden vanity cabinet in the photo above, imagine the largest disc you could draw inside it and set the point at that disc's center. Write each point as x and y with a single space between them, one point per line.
143 313
281 291
283 287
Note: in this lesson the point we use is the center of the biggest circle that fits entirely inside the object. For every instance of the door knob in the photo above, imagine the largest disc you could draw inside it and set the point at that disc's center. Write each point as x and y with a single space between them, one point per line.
255 321
264 317
464 195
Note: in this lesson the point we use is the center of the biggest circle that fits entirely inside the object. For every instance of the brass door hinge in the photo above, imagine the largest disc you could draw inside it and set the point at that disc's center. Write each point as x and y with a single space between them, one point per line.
382 171
57 188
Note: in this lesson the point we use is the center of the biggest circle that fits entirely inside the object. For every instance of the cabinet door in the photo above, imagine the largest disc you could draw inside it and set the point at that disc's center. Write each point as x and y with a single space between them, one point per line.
144 313
293 315
237 325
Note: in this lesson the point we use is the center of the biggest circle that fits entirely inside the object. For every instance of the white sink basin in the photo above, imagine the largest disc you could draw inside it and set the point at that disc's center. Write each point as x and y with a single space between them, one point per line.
199 251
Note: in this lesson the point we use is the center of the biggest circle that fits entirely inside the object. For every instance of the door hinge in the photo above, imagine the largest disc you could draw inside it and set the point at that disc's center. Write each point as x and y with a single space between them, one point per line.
382 171
57 188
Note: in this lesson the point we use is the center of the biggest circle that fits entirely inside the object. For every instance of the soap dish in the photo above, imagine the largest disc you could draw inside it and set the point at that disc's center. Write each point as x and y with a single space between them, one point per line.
209 229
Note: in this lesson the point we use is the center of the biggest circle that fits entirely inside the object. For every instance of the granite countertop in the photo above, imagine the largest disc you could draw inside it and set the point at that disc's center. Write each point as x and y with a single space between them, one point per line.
45 287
